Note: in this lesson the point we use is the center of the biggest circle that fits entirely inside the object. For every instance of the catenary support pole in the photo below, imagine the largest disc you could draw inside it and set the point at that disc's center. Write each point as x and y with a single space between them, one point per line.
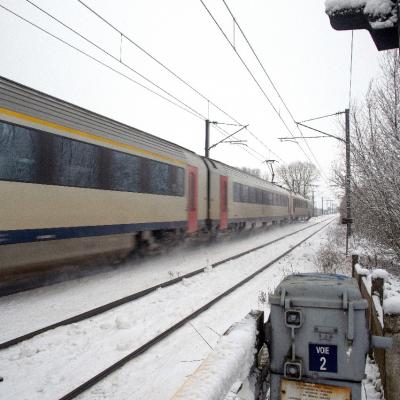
207 143
313 205
348 172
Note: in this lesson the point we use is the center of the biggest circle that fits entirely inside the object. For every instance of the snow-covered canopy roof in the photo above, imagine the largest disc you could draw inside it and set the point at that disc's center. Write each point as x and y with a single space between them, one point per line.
379 17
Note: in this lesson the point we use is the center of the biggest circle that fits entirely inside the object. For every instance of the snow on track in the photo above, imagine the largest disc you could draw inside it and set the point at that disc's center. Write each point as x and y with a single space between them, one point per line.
158 373
57 361
48 305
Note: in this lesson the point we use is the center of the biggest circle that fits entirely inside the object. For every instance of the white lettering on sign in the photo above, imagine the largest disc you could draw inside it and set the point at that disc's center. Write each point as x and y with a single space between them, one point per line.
323 350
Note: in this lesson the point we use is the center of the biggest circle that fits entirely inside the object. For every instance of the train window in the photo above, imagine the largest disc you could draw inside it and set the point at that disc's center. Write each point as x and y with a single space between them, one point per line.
264 197
124 172
75 163
176 180
236 191
244 195
29 155
252 195
159 175
259 196
247 194
179 190
19 152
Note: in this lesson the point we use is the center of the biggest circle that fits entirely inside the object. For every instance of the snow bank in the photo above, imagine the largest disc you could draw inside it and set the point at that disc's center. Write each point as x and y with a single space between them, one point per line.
360 270
378 7
373 8
391 305
379 273
230 362
332 6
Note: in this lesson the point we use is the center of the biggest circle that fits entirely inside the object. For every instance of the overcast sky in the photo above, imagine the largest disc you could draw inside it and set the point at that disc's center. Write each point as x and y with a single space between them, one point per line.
306 59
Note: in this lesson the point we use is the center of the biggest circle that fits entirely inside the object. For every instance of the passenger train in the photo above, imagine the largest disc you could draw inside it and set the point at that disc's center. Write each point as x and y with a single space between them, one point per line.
75 185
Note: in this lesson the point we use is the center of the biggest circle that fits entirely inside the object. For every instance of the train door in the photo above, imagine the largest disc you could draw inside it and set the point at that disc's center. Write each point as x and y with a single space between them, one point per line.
223 223
192 199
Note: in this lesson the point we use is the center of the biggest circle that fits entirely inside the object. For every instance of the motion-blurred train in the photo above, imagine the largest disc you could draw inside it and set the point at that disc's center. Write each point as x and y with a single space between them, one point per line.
75 185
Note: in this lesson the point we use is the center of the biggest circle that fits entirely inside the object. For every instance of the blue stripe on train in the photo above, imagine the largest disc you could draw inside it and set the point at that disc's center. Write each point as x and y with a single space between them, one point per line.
34 235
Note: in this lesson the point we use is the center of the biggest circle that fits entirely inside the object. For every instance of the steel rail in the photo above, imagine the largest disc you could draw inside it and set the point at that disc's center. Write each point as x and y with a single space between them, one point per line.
137 295
112 368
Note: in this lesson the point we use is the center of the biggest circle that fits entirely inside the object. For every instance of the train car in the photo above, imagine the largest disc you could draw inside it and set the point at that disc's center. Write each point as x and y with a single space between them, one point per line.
239 200
76 185
300 207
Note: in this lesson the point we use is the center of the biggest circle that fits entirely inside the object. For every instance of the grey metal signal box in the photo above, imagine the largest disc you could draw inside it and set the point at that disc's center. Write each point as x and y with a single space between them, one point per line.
318 338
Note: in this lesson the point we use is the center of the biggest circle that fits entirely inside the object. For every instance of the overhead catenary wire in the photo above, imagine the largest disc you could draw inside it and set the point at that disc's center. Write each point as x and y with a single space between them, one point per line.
185 82
256 81
96 60
115 58
273 86
321 117
198 115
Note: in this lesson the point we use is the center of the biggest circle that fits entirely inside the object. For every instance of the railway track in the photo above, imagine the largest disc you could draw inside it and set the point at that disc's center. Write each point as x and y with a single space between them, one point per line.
137 295
158 338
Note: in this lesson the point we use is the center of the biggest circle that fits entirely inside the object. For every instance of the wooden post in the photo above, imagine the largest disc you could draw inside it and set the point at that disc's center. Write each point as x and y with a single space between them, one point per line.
354 261
377 288
392 357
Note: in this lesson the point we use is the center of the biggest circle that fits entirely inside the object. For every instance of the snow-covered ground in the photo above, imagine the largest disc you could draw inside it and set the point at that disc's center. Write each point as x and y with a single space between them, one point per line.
51 304
51 364
371 385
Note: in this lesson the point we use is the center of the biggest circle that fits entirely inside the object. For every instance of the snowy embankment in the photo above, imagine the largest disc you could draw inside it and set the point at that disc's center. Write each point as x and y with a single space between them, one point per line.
391 292
51 364
230 362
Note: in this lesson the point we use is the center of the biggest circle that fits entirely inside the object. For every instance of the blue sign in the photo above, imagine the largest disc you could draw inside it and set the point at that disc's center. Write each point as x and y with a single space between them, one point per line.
322 357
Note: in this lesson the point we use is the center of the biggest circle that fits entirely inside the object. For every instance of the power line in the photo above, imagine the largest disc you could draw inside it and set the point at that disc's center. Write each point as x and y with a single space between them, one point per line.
112 56
252 75
163 65
323 116
95 59
244 64
271 82
188 109
126 65
245 147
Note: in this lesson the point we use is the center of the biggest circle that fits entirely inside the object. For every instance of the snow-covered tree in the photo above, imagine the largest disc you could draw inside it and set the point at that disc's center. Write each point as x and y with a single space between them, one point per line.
298 176
375 136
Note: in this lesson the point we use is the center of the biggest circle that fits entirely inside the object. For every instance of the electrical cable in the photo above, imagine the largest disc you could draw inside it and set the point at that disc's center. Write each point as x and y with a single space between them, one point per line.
253 77
188 109
112 56
323 116
272 84
174 74
95 59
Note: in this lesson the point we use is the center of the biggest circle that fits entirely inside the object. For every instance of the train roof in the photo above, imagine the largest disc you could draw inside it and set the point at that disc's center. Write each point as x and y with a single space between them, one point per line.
35 103
31 102
242 174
